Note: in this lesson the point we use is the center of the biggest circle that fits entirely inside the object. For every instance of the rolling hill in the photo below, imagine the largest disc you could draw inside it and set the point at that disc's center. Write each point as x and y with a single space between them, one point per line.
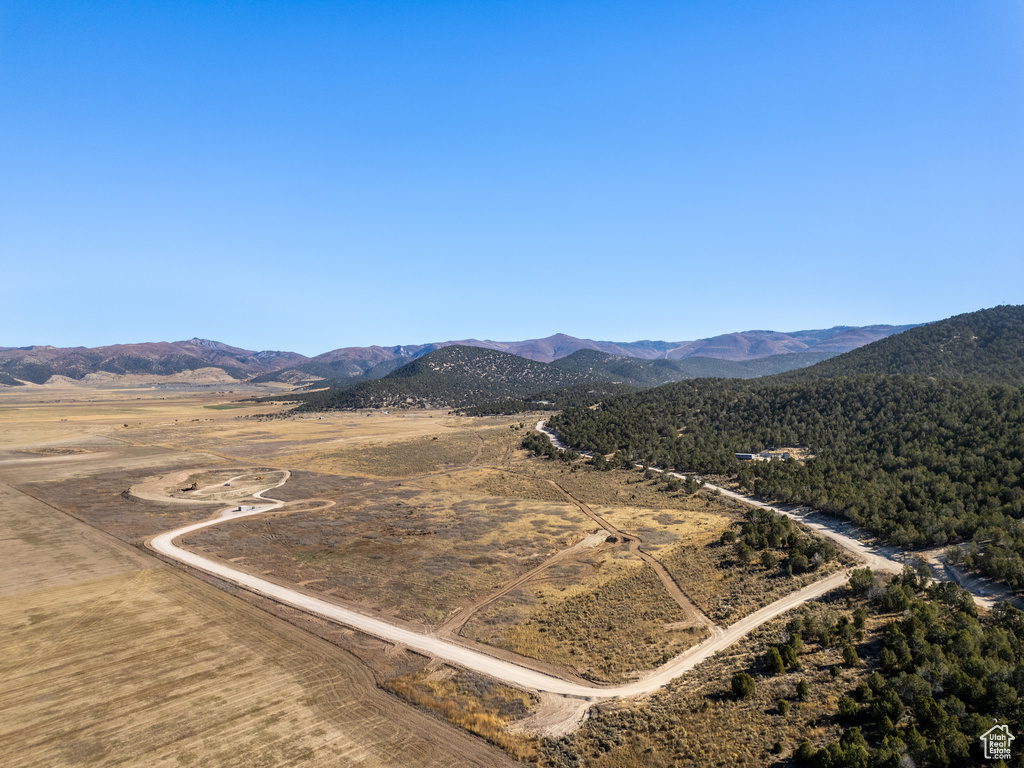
918 438
38 364
450 377
988 344
373 362
653 373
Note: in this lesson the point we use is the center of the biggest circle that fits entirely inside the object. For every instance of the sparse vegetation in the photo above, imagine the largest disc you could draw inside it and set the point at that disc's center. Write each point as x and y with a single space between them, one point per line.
472 702
602 632
700 720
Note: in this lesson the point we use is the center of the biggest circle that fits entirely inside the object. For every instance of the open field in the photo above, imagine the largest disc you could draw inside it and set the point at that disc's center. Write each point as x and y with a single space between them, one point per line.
431 520
616 621
417 553
110 657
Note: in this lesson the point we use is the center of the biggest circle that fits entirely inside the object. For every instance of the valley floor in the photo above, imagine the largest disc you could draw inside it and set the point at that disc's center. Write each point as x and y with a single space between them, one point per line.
421 553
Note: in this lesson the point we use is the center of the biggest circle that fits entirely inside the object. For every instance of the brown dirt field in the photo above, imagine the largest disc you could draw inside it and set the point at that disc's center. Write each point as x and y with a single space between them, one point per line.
104 661
33 537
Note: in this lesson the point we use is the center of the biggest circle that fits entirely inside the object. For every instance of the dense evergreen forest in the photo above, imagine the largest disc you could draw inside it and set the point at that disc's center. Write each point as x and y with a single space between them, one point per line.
943 678
551 399
916 460
921 460
653 373
451 377
987 345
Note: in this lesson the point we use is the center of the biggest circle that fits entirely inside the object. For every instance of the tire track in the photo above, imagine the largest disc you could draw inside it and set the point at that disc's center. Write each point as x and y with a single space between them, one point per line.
634 541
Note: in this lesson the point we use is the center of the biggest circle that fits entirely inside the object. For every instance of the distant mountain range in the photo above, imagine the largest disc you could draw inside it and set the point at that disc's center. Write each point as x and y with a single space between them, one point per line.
38 364
985 345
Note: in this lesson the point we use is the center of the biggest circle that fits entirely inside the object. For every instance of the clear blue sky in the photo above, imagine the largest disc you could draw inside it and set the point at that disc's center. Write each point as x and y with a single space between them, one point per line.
310 175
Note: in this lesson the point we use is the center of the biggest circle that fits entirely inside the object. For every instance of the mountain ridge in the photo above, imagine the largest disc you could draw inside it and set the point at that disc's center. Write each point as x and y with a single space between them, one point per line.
455 376
38 363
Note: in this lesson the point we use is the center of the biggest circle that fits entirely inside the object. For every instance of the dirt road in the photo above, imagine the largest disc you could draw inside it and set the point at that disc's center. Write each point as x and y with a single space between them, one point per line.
854 540
505 671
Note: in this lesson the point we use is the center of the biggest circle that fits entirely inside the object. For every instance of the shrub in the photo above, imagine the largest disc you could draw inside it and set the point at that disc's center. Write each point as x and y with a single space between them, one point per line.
742 685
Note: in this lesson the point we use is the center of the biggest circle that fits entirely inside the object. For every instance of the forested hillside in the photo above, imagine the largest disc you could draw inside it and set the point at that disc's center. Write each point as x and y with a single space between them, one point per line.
943 677
451 377
574 395
988 344
653 373
918 461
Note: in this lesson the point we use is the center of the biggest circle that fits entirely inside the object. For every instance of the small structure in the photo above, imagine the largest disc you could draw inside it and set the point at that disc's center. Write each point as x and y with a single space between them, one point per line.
745 456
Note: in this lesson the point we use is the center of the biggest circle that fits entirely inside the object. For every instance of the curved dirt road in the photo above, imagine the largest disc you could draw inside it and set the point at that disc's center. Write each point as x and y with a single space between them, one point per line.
505 671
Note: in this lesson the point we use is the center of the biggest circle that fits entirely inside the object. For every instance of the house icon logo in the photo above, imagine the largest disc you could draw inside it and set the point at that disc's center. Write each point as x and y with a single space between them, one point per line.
996 741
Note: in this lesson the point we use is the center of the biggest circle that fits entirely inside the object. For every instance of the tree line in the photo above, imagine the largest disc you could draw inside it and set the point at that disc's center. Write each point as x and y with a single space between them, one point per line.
918 461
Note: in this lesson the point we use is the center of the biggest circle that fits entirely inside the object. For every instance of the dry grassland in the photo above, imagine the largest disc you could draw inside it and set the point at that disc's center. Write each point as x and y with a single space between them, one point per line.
475 703
726 590
616 621
499 483
110 658
414 552
400 458
432 514
697 721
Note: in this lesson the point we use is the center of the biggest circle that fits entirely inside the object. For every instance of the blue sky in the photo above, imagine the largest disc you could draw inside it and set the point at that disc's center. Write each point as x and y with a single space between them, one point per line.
311 175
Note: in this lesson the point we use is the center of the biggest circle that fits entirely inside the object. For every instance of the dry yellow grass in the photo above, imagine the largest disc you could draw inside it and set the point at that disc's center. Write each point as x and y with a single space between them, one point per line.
697 721
398 458
109 657
474 703
605 616
421 528
416 552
